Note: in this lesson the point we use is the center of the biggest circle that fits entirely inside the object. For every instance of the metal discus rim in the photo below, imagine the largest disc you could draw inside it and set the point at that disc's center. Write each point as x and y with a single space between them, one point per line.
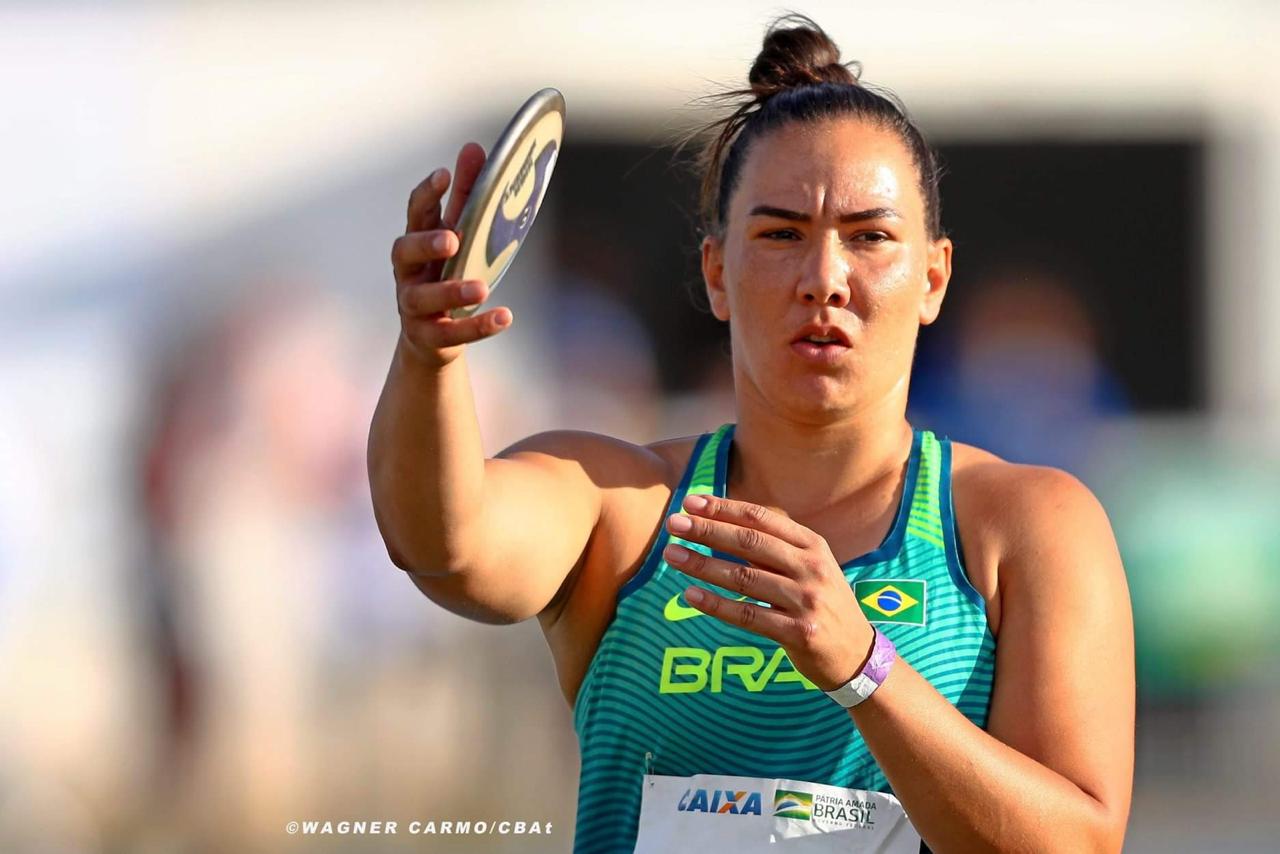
538 105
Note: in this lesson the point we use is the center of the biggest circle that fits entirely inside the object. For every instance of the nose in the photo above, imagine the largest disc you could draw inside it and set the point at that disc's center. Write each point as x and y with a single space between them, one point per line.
825 278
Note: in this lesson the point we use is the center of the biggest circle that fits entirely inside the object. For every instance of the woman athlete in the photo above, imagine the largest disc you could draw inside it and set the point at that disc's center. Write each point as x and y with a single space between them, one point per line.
700 595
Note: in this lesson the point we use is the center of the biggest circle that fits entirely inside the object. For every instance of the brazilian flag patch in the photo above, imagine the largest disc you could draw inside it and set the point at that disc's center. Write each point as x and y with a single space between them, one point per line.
892 600
792 804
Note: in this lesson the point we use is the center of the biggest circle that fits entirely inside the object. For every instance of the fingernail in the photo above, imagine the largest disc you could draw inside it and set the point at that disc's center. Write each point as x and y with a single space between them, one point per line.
471 290
440 241
438 176
693 595
695 502
502 319
681 523
675 554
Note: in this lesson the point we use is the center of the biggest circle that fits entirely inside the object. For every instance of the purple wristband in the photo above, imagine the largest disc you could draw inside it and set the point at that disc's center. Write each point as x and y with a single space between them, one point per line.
871 676
883 654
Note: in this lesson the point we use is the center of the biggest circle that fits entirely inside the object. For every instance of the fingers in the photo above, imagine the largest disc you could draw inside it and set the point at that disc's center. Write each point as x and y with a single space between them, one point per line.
432 298
470 161
424 311
751 581
418 257
750 515
424 201
750 544
443 331
768 622
427 324
422 246
411 251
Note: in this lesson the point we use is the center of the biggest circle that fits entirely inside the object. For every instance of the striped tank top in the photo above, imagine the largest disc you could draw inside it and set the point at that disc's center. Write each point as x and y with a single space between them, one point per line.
671 692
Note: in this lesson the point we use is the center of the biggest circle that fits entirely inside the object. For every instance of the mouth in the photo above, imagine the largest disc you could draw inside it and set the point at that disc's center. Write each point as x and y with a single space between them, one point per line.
822 333
822 344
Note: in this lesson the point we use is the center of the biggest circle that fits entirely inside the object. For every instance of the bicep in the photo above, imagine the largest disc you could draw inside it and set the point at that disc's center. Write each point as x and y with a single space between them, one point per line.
542 502
1064 688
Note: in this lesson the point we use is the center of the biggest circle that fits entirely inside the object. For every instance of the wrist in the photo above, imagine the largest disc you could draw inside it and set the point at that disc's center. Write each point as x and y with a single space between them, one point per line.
410 361
873 672
867 643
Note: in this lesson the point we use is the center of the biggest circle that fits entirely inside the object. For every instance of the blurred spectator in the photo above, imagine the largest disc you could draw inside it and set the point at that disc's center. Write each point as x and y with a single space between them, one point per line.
607 381
1026 379
295 665
247 478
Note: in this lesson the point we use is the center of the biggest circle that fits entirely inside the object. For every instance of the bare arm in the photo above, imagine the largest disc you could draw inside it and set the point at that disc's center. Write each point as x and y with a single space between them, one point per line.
493 540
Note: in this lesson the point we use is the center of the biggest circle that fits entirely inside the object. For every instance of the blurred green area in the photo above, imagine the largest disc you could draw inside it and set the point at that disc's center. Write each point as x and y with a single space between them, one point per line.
1198 524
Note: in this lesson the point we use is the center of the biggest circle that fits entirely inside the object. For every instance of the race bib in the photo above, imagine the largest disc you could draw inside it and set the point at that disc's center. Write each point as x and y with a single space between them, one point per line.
748 815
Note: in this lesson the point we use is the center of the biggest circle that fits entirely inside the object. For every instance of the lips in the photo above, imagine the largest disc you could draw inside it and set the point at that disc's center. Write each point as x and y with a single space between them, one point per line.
824 354
819 330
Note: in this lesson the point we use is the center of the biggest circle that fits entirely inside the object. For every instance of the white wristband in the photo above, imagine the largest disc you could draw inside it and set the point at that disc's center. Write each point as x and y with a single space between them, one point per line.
872 675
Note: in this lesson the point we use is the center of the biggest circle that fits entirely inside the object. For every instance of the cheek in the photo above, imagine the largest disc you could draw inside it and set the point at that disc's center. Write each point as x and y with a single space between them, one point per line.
889 286
755 280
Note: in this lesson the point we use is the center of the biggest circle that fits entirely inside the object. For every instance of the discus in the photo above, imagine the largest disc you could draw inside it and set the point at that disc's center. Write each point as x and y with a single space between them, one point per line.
507 194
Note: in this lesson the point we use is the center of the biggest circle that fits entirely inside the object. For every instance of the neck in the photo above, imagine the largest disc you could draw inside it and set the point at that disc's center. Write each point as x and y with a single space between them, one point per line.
805 467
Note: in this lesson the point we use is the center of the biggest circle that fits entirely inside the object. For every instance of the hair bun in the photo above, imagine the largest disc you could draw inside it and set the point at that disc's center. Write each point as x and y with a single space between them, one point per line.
797 52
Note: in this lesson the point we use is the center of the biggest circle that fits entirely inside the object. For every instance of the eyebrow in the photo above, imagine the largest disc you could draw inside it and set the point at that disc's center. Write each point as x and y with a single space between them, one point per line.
852 216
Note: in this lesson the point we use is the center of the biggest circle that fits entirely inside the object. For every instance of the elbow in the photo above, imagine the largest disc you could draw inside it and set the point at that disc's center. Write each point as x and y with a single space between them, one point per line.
1108 816
1109 836
1101 840
399 559
1104 829
421 565
1096 828
1099 834
418 555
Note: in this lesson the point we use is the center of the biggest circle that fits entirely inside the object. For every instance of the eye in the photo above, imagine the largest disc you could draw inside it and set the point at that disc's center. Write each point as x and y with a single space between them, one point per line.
781 234
871 237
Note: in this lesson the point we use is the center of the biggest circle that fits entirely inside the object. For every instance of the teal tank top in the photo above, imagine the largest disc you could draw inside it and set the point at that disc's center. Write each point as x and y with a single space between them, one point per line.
668 692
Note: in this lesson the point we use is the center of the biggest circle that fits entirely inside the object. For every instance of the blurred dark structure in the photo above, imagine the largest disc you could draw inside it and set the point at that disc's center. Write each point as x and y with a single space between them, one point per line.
1121 221
612 197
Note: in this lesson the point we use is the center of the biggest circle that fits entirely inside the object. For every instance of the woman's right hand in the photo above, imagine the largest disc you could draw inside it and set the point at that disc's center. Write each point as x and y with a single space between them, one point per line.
427 329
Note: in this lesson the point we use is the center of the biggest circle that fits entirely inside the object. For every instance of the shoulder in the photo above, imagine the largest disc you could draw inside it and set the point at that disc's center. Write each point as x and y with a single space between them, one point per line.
632 485
1019 522
1013 501
609 462
1016 505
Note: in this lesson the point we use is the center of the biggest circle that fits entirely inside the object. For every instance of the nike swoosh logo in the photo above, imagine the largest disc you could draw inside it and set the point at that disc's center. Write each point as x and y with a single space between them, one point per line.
676 611
505 231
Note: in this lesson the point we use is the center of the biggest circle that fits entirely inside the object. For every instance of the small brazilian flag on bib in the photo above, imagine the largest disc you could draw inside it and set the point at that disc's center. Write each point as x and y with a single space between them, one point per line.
891 600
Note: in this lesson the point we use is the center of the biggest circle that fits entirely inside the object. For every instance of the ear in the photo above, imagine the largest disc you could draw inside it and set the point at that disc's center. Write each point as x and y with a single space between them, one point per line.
937 275
713 276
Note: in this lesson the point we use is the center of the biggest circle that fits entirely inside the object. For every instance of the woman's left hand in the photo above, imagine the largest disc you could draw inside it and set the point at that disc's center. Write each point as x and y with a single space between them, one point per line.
813 613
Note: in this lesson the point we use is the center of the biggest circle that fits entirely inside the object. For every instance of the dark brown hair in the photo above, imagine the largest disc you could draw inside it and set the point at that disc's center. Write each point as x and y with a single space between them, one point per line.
798 77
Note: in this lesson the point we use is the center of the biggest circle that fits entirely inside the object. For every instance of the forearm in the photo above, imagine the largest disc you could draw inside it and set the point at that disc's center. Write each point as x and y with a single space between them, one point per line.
426 463
964 789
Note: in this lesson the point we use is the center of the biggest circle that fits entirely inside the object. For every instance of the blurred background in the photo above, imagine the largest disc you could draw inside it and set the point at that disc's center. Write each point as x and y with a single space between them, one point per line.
201 636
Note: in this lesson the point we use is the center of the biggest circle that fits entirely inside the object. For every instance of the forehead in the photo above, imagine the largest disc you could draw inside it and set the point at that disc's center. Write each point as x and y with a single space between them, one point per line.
838 164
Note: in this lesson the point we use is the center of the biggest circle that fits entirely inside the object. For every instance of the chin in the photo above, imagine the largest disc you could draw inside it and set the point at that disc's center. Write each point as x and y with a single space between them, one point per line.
817 395
806 393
